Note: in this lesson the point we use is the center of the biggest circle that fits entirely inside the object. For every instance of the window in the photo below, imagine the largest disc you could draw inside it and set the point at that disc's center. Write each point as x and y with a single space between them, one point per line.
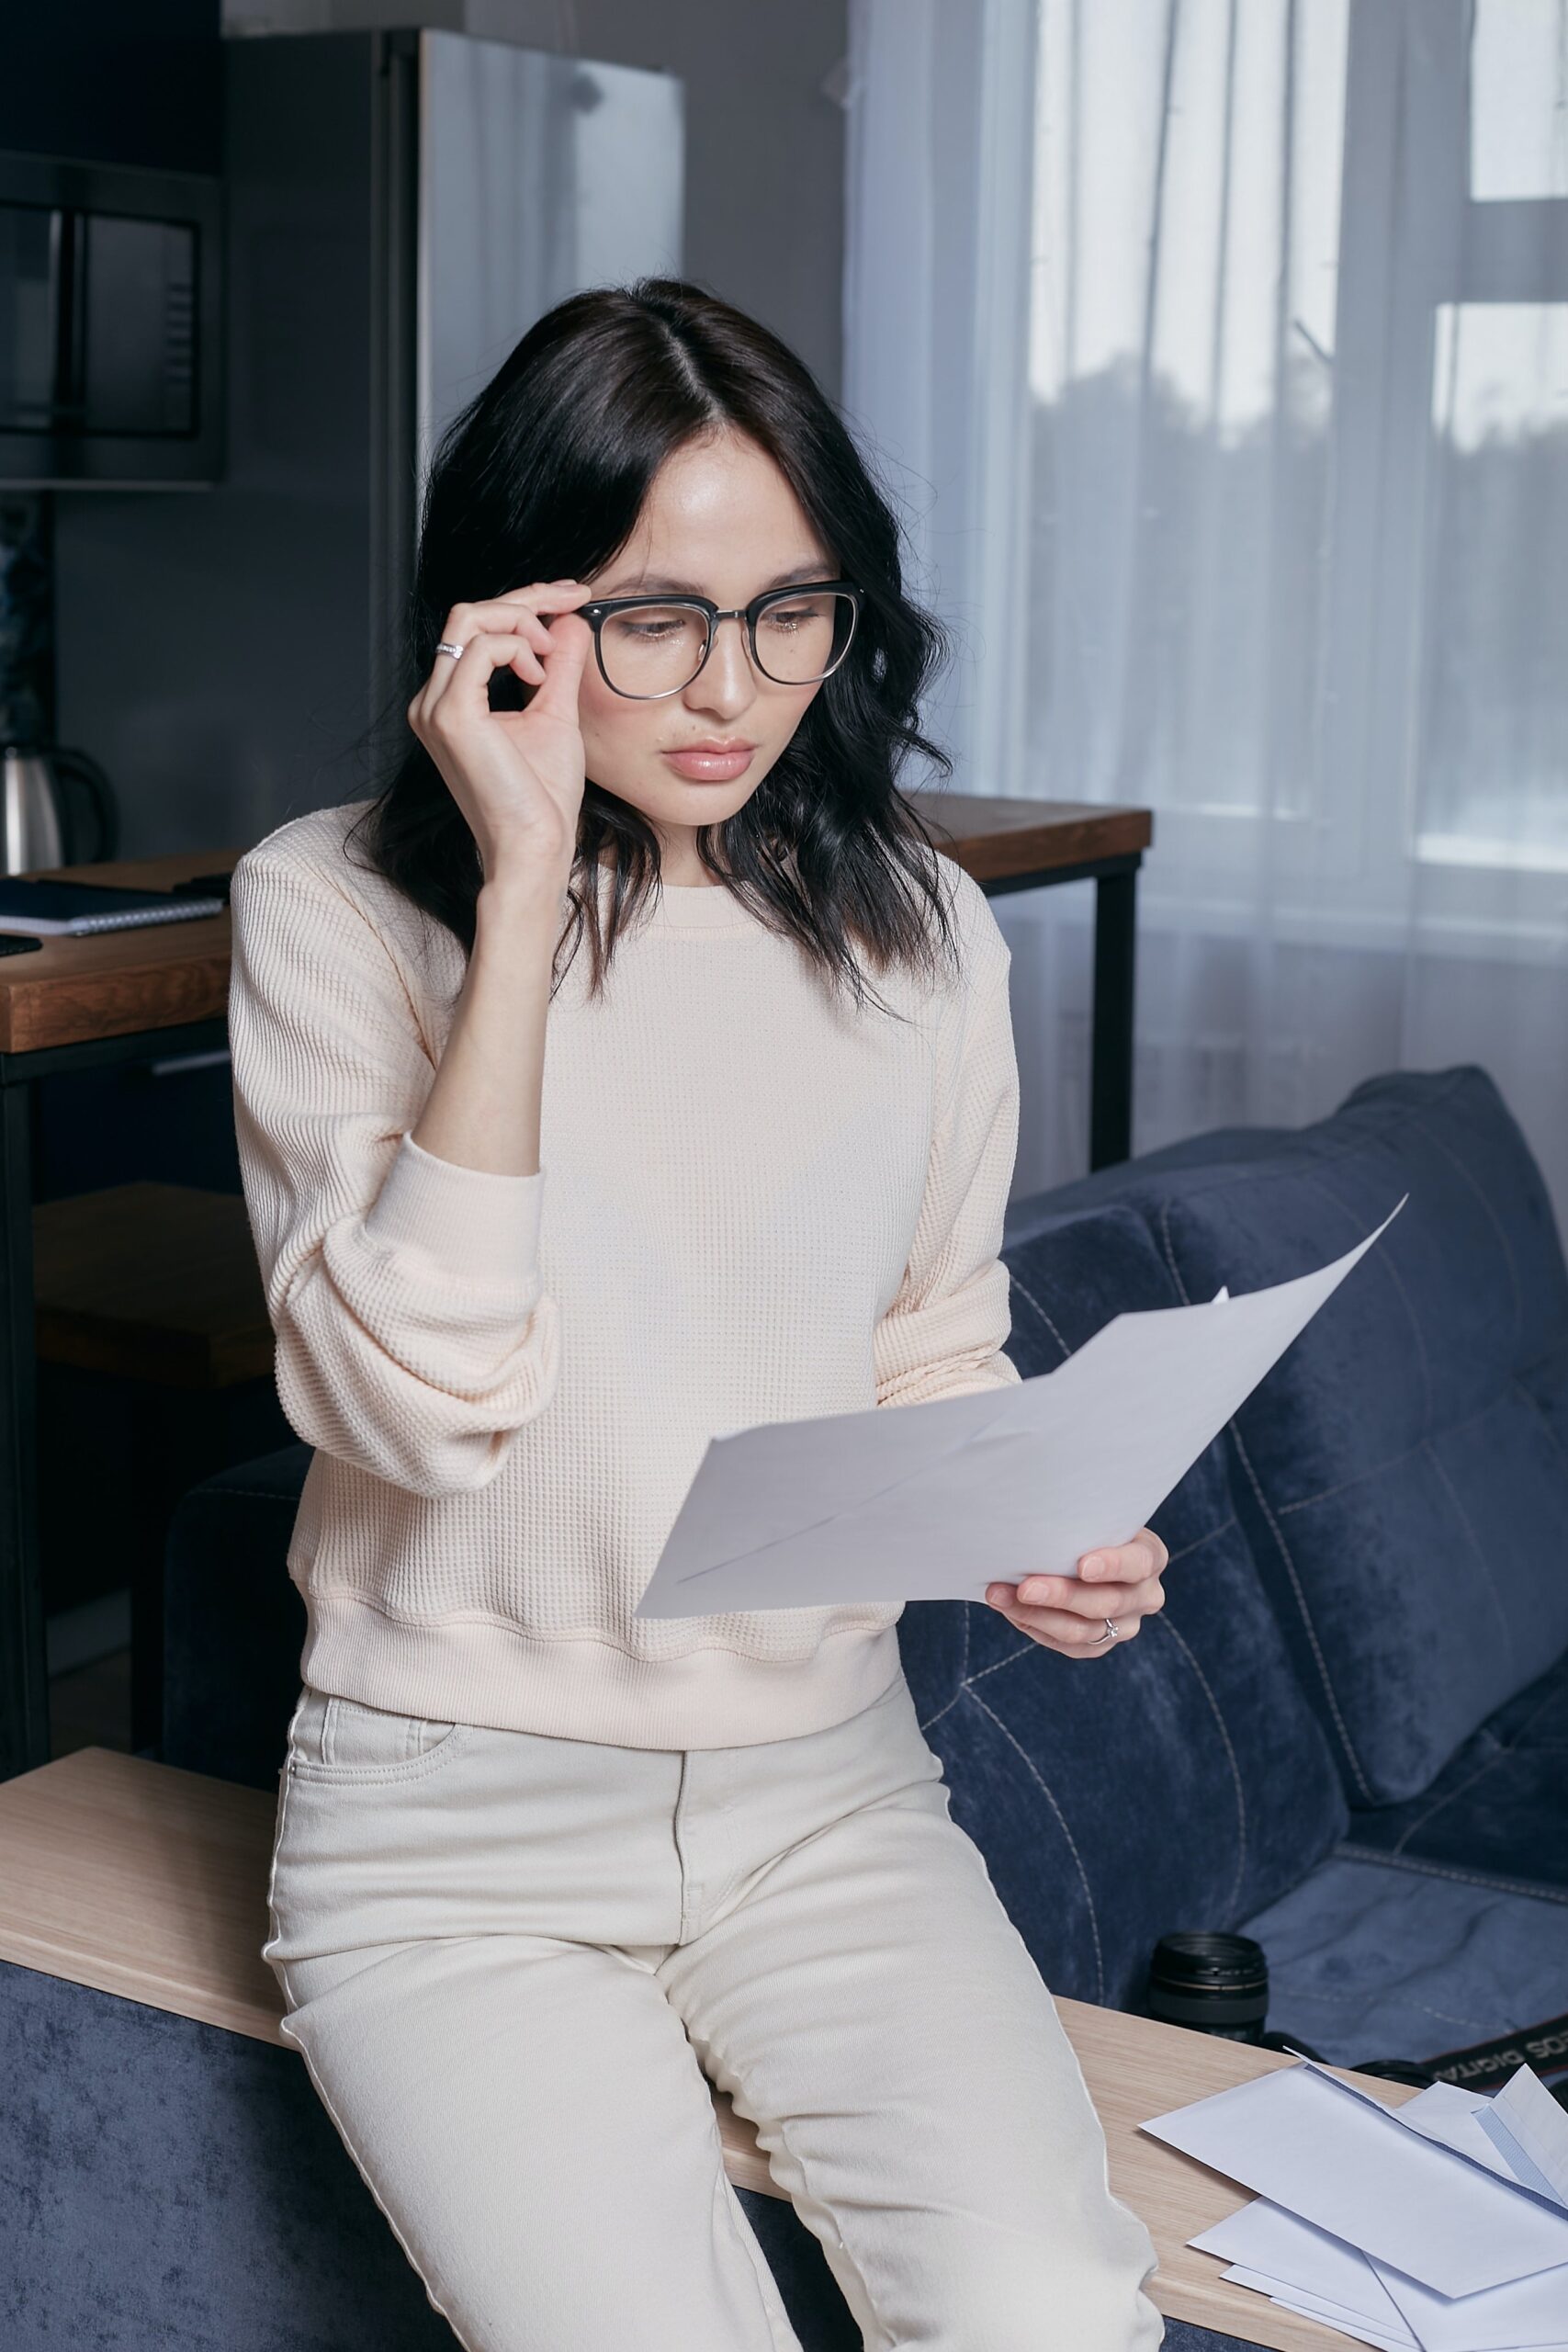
1298 375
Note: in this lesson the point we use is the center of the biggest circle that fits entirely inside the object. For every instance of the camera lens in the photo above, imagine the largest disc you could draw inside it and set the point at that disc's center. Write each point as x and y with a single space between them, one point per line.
1210 1983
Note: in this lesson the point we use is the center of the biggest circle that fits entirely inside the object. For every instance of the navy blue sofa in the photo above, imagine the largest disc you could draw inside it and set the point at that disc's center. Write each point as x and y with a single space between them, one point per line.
1346 1734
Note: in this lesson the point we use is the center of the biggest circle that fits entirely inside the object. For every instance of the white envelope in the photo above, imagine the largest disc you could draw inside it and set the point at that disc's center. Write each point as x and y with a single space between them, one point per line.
1523 2312
1395 2337
1530 2130
935 1501
1264 2238
1284 2255
1329 2152
1524 2118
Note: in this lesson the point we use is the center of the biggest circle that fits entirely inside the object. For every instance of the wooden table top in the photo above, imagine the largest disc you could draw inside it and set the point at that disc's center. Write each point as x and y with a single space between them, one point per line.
151 1883
111 984
994 840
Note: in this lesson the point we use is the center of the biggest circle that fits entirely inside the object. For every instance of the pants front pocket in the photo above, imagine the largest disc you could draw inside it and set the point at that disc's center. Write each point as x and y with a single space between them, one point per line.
338 1739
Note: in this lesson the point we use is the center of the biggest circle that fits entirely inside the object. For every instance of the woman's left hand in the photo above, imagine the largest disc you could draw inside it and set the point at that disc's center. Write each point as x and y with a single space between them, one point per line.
1068 1613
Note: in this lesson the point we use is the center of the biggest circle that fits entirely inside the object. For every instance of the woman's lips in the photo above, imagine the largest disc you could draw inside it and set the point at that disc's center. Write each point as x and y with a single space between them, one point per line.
710 767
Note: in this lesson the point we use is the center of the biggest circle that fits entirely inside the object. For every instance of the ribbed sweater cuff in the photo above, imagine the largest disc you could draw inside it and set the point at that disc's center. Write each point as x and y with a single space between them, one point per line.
477 1225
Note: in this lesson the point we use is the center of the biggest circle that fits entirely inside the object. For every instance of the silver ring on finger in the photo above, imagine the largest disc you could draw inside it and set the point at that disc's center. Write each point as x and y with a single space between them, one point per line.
457 651
1109 1634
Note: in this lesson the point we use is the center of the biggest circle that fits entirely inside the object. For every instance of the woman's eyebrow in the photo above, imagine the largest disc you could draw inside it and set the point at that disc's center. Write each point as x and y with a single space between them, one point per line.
660 584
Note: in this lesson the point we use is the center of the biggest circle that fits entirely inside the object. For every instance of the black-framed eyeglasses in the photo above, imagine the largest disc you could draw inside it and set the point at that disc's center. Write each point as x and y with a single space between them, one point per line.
651 646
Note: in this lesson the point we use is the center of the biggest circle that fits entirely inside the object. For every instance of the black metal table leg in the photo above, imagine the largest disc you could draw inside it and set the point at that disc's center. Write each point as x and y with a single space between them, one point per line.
24 1662
179 1441
1115 934
1110 1085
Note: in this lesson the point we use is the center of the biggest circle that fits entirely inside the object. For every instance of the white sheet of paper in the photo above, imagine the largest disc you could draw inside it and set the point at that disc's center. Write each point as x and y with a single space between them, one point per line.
935 1501
1337 2157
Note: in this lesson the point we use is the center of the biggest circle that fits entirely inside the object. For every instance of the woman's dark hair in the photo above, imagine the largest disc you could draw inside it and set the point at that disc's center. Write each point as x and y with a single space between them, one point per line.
543 476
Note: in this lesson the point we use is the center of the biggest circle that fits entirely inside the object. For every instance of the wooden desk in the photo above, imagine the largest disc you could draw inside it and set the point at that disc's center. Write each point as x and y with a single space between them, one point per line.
129 996
151 1883
114 995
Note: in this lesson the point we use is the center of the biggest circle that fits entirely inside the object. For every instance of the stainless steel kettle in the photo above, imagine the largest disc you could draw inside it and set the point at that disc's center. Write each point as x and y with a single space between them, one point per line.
57 807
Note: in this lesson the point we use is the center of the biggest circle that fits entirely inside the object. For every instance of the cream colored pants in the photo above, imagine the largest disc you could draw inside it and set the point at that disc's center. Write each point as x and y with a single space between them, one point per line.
510 1960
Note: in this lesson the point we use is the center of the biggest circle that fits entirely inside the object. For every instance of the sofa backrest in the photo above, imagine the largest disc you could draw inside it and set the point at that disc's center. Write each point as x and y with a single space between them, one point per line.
233 1621
1401 1472
1179 1780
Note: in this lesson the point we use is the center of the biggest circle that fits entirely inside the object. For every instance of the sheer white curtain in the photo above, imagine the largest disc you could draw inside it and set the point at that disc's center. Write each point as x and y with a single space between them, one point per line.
1217 352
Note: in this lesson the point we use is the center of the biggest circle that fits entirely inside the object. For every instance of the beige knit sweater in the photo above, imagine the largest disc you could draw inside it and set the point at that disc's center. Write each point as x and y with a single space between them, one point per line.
752 1205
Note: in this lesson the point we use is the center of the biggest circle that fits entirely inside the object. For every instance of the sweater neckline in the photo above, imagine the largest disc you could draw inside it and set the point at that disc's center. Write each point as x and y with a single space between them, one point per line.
691 906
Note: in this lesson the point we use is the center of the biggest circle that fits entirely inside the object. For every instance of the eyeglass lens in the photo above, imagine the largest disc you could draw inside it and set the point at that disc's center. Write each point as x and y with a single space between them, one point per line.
657 649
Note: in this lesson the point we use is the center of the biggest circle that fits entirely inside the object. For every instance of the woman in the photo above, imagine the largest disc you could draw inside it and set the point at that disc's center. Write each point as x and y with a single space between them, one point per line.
542 1864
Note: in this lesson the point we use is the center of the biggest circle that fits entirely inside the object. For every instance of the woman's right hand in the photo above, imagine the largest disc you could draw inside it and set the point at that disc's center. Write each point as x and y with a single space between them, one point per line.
517 775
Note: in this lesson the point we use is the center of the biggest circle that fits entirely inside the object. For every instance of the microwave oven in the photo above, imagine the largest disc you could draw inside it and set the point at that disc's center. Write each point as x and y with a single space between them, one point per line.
110 333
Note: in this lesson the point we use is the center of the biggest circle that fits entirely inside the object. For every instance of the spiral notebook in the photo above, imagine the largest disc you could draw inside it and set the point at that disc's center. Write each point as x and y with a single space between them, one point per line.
48 908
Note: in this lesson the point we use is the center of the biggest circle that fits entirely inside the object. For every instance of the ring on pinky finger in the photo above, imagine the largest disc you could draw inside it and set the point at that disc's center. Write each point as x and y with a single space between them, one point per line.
1107 1633
1064 1625
1101 1645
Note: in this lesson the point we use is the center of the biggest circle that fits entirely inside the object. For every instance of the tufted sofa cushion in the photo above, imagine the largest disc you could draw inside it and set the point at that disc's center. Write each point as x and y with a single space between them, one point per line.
1179 1782
1500 1803
1403 1471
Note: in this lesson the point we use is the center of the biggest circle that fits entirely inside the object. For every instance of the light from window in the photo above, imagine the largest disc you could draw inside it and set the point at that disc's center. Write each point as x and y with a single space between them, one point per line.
1494 768
1519 99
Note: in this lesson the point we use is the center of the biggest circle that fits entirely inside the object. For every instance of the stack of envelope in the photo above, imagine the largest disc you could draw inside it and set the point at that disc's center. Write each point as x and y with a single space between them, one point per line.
1441 2223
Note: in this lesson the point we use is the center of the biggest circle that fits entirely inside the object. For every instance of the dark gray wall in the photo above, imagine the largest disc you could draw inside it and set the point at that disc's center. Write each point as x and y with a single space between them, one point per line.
113 82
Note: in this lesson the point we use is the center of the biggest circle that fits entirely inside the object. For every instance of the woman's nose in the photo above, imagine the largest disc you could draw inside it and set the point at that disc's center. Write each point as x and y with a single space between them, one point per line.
726 677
